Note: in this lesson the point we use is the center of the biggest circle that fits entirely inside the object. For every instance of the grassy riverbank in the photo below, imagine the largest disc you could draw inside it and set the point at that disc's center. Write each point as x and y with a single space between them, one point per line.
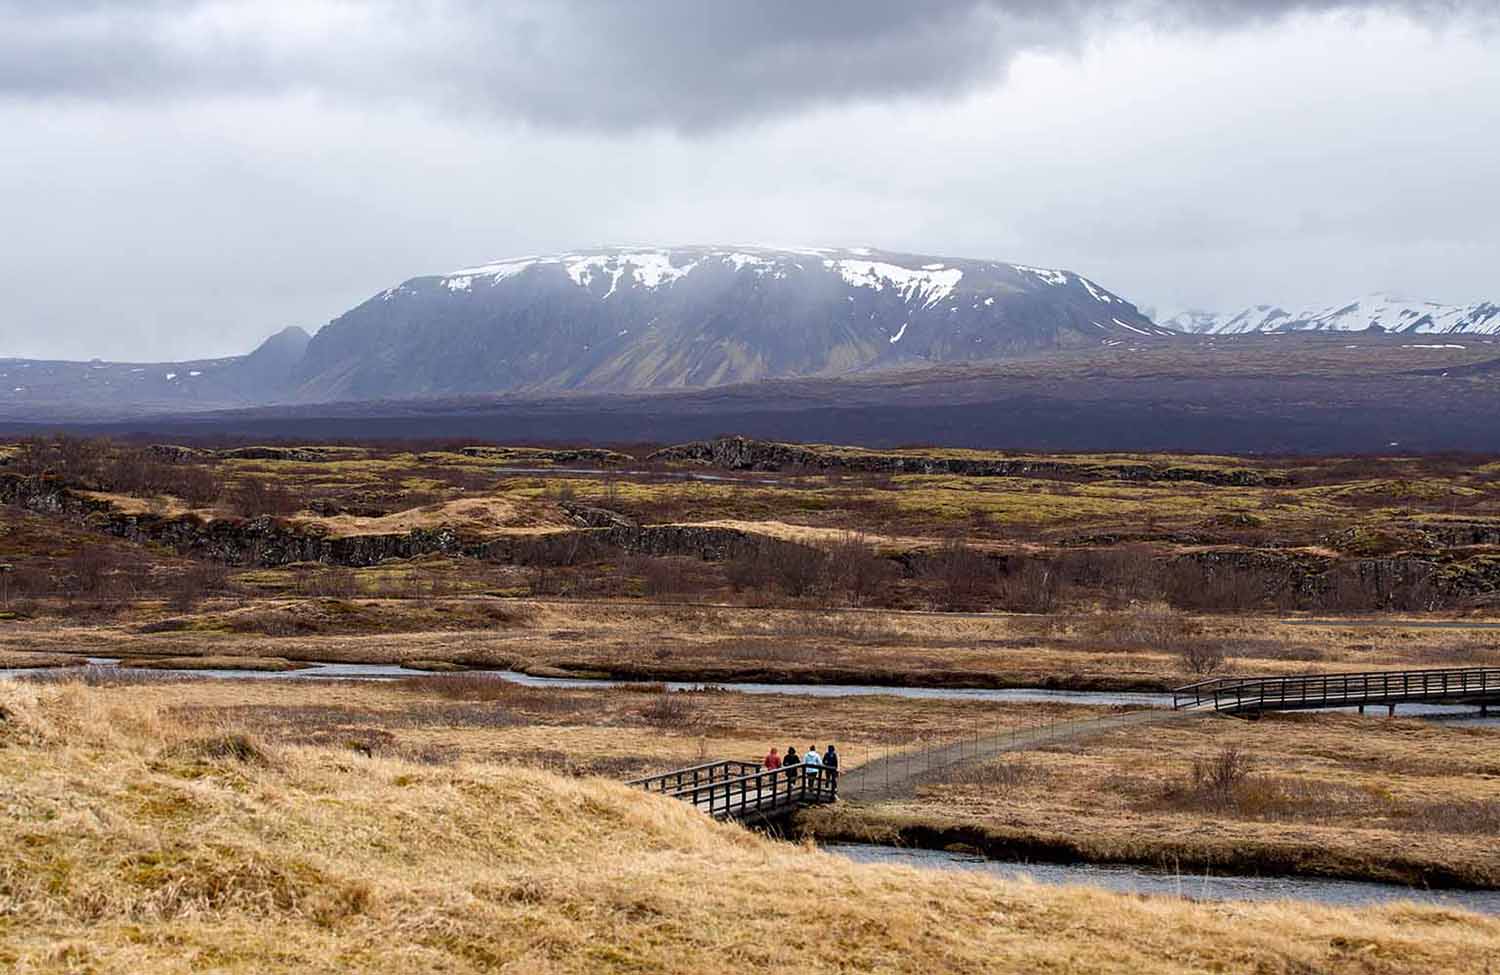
1327 795
1137 650
136 840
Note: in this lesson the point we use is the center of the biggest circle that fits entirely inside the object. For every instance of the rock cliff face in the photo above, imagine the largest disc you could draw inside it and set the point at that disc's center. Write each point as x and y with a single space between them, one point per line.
267 541
743 454
1414 579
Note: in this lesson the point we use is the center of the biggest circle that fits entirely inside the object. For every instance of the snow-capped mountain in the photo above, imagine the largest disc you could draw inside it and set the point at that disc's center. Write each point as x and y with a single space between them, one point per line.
1373 312
639 318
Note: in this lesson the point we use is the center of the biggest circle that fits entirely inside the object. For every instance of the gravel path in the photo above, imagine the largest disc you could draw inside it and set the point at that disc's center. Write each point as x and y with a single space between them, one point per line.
898 776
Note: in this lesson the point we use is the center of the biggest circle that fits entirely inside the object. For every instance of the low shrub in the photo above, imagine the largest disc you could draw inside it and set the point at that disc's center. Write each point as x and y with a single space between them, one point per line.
670 710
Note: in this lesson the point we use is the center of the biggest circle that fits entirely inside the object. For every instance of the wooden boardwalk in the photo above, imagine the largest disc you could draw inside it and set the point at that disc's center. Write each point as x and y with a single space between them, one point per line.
743 790
1252 695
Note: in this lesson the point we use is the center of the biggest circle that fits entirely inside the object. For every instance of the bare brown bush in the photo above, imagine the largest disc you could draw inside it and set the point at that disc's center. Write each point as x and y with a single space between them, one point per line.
1202 657
798 570
1216 778
90 570
859 572
1031 586
197 484
187 587
670 710
792 569
660 576
74 459
966 579
253 498
1219 588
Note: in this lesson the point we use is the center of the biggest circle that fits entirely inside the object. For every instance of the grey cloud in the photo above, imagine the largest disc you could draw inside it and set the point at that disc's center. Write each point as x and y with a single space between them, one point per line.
595 64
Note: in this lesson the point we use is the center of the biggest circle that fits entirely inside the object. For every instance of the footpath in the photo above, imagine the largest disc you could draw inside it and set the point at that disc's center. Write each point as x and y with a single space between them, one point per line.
897 776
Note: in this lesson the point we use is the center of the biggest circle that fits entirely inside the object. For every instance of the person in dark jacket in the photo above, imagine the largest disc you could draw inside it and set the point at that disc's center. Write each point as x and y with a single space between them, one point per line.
791 763
831 762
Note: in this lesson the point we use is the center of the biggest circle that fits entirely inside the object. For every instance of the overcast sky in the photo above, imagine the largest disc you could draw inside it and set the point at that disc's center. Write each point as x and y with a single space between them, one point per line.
180 178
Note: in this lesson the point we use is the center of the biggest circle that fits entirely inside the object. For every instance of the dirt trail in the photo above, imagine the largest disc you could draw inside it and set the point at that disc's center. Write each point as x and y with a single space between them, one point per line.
898 776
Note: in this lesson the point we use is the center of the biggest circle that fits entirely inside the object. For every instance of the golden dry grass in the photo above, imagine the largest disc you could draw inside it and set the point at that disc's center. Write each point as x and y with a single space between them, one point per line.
132 844
485 515
727 643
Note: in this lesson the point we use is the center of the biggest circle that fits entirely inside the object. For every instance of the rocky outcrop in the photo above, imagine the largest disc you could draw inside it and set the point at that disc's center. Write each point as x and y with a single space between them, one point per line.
304 455
171 453
745 454
47 495
1456 534
580 455
268 541
589 516
709 544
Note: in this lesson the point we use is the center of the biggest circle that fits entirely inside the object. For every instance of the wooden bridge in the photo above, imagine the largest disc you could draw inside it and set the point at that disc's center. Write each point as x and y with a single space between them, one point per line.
1250 695
743 790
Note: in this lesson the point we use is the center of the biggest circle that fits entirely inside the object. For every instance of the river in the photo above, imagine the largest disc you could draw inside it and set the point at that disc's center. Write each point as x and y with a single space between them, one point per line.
1140 880
1453 714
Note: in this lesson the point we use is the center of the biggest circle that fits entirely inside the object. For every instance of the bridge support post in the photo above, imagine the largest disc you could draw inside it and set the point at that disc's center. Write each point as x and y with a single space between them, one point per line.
1391 713
1361 710
1484 710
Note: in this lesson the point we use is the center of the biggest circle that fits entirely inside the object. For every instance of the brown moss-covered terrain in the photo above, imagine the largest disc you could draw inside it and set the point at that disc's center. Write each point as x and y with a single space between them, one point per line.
735 518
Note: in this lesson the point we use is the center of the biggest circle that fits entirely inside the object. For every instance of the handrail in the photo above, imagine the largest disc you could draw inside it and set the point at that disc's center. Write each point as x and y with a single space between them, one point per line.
667 782
1339 689
762 792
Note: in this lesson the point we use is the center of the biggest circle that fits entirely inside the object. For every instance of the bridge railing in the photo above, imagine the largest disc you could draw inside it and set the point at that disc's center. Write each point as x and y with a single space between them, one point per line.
1315 690
687 778
763 792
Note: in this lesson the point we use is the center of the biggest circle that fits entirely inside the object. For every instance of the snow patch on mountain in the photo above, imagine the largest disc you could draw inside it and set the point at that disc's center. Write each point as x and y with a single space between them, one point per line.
1057 279
919 284
496 271
650 269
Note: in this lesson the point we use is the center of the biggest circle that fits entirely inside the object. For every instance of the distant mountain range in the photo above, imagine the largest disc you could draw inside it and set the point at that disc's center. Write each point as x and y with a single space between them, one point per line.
638 322
54 387
620 320
1380 312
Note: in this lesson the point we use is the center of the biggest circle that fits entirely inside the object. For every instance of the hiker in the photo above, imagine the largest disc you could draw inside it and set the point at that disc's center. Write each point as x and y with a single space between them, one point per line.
811 762
831 762
773 760
790 763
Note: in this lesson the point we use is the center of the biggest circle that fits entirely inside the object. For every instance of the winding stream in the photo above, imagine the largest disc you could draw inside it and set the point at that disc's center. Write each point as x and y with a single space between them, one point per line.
1448 714
1140 880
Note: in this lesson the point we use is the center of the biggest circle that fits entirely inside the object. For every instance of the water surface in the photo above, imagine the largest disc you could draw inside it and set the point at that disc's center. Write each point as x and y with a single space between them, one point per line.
1141 880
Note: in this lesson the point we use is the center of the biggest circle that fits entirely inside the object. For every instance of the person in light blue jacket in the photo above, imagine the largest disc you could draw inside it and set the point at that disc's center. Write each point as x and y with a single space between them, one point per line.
811 762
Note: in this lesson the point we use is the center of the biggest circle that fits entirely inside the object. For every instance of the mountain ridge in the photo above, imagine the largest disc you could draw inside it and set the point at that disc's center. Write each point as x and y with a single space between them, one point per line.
1376 311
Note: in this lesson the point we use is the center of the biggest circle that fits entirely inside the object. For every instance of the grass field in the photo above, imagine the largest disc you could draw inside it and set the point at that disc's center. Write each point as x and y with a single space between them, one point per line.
135 841
1146 648
1332 795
